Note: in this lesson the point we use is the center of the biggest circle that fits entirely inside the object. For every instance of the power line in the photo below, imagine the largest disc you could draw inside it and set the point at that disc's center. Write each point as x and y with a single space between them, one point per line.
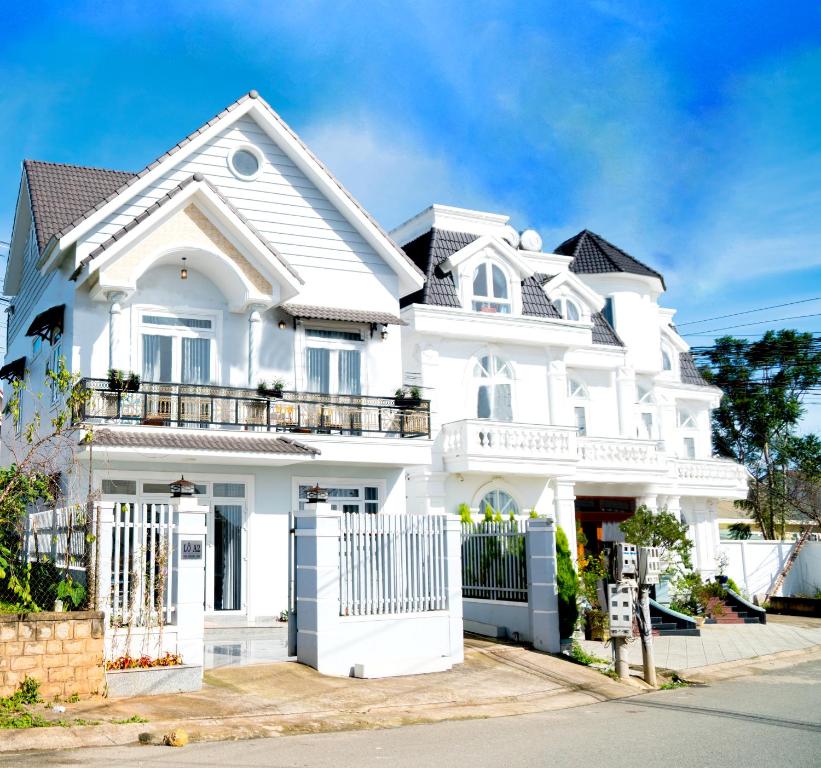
747 312
757 322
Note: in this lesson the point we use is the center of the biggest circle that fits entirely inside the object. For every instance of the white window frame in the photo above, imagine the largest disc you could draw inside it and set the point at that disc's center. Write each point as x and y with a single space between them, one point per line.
689 447
580 410
488 265
485 492
685 415
56 353
563 303
492 381
256 152
178 333
343 482
668 354
334 345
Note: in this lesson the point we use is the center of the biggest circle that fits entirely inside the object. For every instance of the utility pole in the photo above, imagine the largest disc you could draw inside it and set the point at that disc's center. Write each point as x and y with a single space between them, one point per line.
620 600
649 572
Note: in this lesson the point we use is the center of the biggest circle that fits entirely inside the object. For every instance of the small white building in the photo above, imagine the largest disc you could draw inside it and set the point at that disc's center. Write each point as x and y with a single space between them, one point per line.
558 382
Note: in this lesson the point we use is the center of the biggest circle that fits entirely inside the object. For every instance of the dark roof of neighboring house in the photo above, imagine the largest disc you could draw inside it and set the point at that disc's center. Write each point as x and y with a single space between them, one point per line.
170 195
60 193
345 315
428 251
200 441
689 372
593 254
603 332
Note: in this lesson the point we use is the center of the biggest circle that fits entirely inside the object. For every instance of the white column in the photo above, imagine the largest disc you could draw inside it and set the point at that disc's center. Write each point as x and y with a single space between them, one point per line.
254 340
453 575
189 577
626 397
673 504
565 503
648 500
557 393
115 331
429 369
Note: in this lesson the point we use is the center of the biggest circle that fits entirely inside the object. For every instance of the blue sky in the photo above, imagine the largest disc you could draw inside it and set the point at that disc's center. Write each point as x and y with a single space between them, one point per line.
685 132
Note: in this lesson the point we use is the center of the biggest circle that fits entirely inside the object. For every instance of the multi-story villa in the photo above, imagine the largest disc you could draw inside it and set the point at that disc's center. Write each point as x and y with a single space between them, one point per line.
558 383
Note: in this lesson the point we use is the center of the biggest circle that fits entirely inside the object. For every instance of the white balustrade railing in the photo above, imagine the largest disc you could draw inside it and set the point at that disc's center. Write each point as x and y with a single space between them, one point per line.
390 564
710 471
619 452
502 438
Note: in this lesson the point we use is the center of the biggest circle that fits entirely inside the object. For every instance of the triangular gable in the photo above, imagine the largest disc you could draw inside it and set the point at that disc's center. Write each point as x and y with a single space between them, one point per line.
594 300
238 259
292 147
489 242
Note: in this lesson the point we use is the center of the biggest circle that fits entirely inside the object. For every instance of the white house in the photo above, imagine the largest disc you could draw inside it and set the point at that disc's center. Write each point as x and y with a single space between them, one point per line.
233 258
557 381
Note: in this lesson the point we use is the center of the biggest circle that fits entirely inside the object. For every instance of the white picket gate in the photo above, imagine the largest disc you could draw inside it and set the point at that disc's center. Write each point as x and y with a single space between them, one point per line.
391 564
141 541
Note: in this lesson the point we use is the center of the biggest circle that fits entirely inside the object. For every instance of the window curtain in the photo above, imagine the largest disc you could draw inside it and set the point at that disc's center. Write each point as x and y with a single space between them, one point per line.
319 369
196 361
227 557
349 372
502 403
156 358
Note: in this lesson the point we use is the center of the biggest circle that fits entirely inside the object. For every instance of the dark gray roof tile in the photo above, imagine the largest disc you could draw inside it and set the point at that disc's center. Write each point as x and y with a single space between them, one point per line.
689 371
200 440
345 315
603 332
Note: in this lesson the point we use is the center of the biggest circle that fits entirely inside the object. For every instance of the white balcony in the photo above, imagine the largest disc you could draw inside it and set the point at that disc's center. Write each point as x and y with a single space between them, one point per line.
480 445
712 476
615 459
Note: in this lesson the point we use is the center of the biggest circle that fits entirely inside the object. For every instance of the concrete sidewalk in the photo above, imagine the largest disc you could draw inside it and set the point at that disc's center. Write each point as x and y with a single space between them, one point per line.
721 643
289 698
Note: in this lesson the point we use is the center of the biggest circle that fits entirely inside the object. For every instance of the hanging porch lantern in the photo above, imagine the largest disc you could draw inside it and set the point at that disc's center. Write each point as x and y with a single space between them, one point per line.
182 487
316 494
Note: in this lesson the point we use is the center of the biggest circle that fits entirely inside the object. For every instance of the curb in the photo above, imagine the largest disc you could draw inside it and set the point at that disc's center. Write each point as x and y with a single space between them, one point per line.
749 666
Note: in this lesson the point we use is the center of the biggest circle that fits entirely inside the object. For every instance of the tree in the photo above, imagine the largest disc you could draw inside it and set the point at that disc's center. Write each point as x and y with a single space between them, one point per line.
765 383
660 529
42 460
567 585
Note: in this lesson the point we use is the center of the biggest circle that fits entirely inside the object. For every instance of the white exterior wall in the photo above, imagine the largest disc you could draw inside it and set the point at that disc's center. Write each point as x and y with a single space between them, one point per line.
755 565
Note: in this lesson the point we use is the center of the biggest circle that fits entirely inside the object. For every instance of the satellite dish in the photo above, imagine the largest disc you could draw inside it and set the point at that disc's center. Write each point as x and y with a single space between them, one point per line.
510 236
530 240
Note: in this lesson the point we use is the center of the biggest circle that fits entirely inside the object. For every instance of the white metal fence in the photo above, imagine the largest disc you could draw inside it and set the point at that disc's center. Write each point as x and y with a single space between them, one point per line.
391 564
57 535
494 562
140 544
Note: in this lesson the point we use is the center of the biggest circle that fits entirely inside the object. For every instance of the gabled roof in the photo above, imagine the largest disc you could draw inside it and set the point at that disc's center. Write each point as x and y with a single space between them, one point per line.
534 300
342 314
592 254
60 193
603 332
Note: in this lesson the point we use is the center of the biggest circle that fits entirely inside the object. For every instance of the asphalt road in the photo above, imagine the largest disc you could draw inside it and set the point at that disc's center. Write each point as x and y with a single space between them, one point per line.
771 719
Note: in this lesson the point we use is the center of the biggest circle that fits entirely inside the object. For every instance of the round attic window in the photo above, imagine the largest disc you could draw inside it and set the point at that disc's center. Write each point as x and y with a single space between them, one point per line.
245 163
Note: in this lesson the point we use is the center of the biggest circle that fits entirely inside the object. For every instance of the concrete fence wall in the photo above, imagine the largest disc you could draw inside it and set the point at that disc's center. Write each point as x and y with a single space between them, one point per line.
755 565
374 644
63 651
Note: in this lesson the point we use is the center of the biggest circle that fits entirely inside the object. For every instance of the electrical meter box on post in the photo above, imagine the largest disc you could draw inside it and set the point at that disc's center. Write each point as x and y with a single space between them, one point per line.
649 565
625 561
620 610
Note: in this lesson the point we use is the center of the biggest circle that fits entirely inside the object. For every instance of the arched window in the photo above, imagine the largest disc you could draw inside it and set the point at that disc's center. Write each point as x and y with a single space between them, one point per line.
666 360
568 309
494 385
498 501
491 292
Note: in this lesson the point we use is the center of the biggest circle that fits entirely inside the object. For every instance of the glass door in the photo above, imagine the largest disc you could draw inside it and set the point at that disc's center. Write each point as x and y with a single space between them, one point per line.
227 560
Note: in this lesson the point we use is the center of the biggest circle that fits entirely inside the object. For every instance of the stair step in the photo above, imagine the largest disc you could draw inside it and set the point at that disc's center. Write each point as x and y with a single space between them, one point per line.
695 632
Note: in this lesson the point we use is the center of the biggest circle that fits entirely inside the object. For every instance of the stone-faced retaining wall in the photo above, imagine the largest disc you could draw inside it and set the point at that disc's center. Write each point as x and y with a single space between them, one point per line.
63 651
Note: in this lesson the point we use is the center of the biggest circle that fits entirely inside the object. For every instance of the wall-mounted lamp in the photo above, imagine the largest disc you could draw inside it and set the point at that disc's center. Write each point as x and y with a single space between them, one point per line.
281 325
183 270
384 332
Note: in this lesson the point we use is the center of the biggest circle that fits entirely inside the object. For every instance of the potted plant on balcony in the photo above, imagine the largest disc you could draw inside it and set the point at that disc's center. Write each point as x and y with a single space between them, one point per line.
133 382
116 380
410 398
275 390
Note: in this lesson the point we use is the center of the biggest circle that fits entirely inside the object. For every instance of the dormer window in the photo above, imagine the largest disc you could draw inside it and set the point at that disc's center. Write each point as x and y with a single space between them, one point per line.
569 309
491 292
666 360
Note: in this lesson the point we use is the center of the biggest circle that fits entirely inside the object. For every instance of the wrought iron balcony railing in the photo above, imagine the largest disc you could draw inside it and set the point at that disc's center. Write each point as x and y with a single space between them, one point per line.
213 407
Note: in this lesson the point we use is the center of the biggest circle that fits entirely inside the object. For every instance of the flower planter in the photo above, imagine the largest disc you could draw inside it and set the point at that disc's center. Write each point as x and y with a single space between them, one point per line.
275 394
151 681
407 402
722 579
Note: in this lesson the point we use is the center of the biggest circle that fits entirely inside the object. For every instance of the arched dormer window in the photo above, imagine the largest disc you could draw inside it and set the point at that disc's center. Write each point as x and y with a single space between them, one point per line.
491 292
493 379
568 309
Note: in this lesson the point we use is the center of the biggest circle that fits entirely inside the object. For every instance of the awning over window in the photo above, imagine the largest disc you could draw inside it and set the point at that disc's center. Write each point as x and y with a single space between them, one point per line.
48 324
16 369
344 315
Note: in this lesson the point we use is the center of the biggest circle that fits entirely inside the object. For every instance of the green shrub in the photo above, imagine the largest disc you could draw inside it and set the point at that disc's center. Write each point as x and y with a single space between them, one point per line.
567 585
464 513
